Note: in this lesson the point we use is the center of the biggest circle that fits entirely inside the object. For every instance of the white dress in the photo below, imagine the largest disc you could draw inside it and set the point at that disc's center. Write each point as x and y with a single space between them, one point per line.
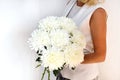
81 16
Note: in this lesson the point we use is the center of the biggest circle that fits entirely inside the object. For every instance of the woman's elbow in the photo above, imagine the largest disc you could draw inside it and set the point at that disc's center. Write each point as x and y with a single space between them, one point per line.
101 57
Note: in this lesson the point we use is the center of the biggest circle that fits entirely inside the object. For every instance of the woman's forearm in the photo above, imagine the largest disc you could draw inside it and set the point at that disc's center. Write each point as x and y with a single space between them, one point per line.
93 58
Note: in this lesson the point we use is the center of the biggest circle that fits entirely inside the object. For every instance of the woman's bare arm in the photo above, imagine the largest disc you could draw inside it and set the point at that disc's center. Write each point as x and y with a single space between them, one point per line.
98 33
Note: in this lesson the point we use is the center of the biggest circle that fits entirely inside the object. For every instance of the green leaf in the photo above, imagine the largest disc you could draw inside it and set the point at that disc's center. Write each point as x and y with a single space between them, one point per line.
39 52
56 72
38 66
71 34
38 59
73 68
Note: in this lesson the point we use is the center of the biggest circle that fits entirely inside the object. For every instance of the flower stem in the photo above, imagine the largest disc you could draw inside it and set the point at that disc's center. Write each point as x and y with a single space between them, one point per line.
43 73
48 74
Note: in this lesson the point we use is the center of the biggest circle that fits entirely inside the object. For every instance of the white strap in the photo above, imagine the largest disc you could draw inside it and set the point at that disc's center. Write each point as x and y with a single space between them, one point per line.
82 14
69 6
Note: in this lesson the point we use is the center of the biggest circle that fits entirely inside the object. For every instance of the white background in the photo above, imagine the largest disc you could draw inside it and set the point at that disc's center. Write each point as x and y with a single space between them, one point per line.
18 18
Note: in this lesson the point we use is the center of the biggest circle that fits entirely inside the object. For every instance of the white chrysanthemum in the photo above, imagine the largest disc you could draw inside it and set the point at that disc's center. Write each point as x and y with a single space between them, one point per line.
49 23
74 55
78 38
67 23
60 42
59 38
53 60
39 39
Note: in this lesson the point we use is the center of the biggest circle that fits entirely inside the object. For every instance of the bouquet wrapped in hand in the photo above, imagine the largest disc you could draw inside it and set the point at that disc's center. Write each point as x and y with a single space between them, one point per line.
58 43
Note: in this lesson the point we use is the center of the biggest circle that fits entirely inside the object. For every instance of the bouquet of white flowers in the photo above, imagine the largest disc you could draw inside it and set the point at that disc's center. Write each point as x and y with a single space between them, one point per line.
58 43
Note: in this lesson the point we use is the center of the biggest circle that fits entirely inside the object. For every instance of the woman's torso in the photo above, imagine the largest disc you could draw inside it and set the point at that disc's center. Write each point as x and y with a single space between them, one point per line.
82 71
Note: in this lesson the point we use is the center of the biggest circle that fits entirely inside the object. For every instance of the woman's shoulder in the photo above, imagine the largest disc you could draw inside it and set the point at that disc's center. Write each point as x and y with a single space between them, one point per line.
99 13
100 10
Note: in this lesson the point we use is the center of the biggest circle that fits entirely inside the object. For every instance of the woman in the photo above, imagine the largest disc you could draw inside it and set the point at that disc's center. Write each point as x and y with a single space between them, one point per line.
90 16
